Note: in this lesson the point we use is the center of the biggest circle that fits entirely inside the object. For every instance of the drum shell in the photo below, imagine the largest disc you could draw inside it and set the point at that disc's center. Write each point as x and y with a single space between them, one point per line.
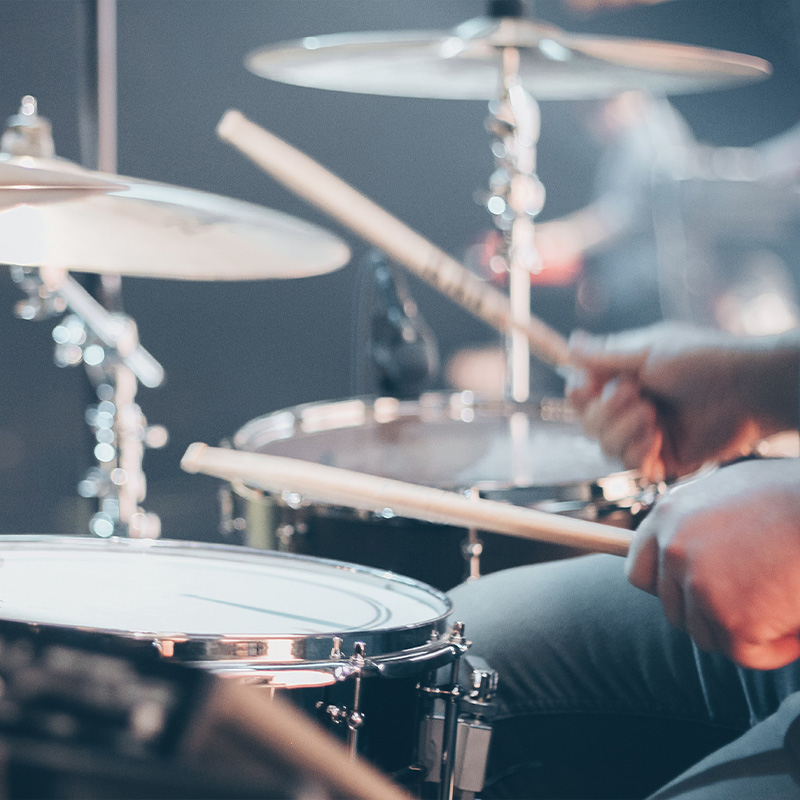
427 552
391 709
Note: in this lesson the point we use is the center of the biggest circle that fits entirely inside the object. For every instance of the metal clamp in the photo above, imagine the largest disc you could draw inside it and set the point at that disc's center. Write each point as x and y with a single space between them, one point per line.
471 732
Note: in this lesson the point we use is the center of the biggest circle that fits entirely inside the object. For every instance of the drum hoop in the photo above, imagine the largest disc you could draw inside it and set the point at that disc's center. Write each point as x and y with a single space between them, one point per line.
285 421
413 661
283 425
295 648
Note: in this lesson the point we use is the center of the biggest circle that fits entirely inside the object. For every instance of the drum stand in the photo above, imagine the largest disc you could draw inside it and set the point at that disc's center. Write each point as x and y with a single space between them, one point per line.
108 345
459 727
454 733
516 197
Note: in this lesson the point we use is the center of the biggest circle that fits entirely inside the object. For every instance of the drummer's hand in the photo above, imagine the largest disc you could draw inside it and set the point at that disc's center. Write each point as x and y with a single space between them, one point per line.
669 398
722 553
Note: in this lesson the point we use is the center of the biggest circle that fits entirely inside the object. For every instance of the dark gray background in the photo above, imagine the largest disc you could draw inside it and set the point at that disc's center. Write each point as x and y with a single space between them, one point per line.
236 351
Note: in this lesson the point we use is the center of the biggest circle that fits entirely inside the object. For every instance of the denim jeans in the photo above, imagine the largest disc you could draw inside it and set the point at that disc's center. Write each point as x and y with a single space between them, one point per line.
600 698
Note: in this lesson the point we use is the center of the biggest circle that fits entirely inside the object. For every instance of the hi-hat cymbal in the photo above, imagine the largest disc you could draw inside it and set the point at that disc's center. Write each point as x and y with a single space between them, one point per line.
145 229
28 182
464 64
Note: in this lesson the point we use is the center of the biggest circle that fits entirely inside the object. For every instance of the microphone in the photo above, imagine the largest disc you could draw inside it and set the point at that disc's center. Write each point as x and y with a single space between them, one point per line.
402 347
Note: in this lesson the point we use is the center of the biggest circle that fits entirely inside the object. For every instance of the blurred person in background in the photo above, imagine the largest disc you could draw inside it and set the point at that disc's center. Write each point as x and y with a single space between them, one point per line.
675 228
675 674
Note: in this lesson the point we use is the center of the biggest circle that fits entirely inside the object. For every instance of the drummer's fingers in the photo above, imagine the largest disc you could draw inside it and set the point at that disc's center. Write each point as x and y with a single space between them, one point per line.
638 437
670 592
630 436
709 635
604 406
705 632
623 422
765 655
584 386
641 564
653 465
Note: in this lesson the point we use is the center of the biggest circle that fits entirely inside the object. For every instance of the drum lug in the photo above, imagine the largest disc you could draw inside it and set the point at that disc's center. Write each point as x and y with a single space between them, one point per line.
352 717
336 650
457 634
341 715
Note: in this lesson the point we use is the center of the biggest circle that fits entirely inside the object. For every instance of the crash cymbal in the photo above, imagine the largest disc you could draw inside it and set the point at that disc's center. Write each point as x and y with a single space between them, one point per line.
28 182
464 64
146 229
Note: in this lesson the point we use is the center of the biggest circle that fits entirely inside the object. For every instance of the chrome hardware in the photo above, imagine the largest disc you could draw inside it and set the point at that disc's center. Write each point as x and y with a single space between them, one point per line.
356 719
342 715
472 546
471 737
108 346
28 134
516 196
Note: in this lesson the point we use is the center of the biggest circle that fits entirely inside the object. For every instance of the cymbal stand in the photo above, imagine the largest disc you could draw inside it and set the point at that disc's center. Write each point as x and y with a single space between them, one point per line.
108 346
516 197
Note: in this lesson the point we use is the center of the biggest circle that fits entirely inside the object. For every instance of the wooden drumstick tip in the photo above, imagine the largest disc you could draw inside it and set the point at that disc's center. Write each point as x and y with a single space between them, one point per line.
231 119
193 457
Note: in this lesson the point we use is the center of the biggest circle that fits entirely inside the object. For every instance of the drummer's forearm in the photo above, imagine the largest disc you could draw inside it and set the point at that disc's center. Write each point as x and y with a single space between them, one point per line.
585 231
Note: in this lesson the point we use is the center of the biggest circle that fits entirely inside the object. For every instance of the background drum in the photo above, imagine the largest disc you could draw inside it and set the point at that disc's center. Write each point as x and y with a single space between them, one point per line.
530 454
281 621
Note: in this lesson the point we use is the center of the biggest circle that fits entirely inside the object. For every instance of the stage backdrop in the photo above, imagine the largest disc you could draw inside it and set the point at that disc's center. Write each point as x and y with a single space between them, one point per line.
234 351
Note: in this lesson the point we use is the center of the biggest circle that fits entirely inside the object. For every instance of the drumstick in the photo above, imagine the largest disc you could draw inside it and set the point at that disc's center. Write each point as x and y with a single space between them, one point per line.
243 725
311 181
358 490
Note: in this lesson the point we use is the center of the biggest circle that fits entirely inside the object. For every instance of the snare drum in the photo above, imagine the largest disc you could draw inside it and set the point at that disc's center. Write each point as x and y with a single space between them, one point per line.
279 620
532 454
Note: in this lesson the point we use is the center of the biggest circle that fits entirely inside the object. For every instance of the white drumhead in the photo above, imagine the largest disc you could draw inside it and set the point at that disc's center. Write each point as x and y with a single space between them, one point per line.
164 589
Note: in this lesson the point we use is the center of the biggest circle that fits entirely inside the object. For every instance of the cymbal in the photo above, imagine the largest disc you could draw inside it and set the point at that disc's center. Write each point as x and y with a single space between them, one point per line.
464 64
25 182
146 229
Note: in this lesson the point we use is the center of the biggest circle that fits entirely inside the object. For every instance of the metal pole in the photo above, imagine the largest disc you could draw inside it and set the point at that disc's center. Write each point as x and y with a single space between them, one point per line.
107 85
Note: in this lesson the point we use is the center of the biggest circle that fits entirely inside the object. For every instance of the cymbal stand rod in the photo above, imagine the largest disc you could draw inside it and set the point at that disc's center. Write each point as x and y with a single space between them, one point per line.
97 106
472 546
108 345
122 434
120 427
106 52
121 486
116 331
516 197
107 85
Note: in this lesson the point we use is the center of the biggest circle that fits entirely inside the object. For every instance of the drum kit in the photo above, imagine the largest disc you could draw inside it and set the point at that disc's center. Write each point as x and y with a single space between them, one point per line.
362 647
